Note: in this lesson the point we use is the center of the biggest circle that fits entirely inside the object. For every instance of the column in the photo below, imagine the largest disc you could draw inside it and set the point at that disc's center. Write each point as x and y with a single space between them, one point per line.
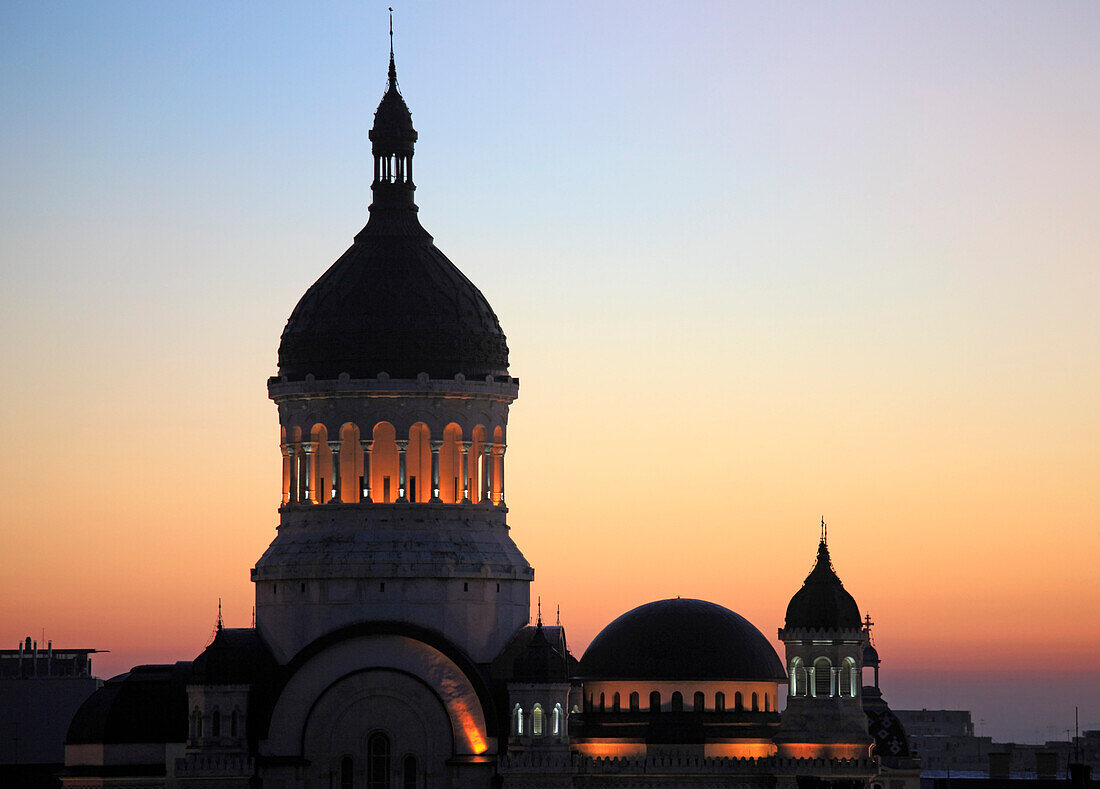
464 451
833 681
811 671
402 445
334 447
292 448
307 459
364 494
436 446
486 473
500 482
285 473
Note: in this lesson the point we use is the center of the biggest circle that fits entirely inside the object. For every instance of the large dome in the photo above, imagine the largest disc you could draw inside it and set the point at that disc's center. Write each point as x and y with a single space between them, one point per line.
681 639
393 304
823 603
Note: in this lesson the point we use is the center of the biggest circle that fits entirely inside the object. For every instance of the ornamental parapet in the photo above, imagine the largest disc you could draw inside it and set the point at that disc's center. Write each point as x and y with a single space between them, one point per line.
203 765
821 634
692 764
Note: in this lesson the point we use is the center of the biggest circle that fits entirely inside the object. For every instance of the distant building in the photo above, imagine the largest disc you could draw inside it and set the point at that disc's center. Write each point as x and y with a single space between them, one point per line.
946 744
40 690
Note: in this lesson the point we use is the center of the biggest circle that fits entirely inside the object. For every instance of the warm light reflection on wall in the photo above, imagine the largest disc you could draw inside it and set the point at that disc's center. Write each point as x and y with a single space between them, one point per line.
740 750
475 740
611 750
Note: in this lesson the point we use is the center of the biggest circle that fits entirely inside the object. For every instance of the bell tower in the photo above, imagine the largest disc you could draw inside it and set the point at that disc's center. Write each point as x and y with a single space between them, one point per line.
824 641
393 393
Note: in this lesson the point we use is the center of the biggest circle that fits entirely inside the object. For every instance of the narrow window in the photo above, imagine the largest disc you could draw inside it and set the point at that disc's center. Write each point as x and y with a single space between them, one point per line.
233 723
615 703
602 708
378 761
199 728
517 716
557 718
408 770
347 779
216 724
412 488
382 586
677 702
498 588
755 703
823 677
536 720
655 701
634 701
719 702
700 701
466 586
386 489
767 707
738 702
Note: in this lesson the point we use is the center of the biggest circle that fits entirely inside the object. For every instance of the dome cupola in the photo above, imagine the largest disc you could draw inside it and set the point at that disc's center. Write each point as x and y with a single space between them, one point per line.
823 602
393 303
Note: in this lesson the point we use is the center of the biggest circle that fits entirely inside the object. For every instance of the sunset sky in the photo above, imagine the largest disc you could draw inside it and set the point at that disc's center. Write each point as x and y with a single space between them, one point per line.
758 263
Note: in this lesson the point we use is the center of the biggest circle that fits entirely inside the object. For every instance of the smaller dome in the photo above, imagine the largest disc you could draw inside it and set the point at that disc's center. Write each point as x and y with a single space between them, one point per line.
146 704
236 656
822 603
870 656
681 639
539 662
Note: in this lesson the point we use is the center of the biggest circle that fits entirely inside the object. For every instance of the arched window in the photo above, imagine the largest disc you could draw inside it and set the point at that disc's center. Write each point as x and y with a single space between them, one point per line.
615 703
351 464
536 720
198 727
558 715
196 724
378 761
798 677
347 777
451 486
602 704
849 678
700 701
719 702
418 464
233 719
384 463
655 701
823 677
634 702
677 702
408 772
517 718
738 702
767 703
216 724
755 703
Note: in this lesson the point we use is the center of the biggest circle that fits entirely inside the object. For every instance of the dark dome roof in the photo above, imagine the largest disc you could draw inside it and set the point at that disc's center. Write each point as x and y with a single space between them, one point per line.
236 656
539 662
393 303
870 655
681 639
891 741
822 602
147 704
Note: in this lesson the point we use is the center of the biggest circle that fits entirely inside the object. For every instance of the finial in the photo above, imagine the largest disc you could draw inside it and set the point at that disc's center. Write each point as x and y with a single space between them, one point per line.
219 613
824 531
559 615
539 621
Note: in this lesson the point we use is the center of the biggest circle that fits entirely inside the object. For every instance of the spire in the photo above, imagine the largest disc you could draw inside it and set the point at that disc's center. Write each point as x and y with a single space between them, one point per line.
539 621
391 84
219 613
867 625
824 532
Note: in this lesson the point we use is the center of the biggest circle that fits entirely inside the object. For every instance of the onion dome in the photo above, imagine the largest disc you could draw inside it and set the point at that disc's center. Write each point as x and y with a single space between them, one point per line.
822 603
393 302
539 662
870 656
236 656
148 704
681 639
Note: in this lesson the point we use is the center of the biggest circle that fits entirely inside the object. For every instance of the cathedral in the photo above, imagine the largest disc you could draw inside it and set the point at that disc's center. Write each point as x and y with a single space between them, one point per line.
392 646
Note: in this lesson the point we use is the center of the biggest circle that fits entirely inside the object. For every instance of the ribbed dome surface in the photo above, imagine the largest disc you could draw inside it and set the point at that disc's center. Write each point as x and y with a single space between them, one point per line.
681 639
822 602
393 303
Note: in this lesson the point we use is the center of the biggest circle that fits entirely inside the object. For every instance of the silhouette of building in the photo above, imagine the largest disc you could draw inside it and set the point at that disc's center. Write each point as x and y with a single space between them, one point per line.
392 646
40 690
